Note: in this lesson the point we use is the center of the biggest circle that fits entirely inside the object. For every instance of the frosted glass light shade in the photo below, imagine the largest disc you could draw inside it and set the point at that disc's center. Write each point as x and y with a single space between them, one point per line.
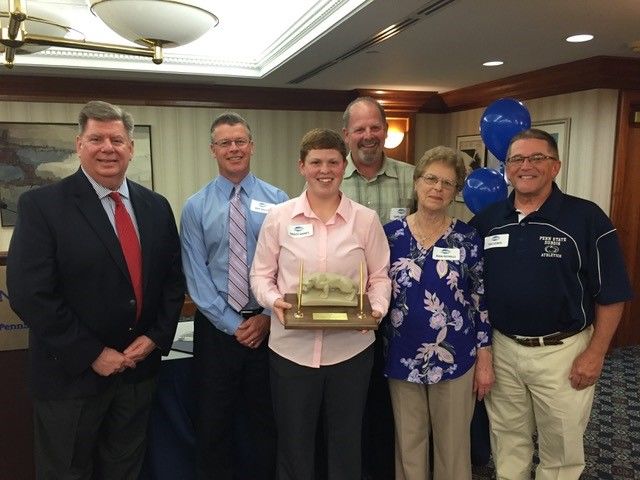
169 22
40 21
394 138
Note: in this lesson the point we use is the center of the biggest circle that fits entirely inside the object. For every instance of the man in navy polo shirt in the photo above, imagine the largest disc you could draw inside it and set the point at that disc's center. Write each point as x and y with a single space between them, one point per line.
555 287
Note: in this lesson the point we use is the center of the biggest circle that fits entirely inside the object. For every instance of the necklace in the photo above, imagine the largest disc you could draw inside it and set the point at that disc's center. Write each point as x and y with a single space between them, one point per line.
428 236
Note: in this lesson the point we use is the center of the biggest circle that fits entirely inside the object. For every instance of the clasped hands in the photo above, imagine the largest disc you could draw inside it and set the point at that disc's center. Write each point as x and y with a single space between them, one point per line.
110 361
252 332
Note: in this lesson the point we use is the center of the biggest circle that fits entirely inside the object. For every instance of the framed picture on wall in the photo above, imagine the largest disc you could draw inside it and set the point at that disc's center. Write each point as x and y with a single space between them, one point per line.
37 154
473 152
560 130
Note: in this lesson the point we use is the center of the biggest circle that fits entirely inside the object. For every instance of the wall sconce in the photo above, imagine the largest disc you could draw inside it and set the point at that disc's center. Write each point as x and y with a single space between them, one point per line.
152 24
394 138
398 127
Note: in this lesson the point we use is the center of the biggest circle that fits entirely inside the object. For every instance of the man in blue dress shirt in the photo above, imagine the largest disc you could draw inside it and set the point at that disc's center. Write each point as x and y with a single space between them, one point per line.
230 343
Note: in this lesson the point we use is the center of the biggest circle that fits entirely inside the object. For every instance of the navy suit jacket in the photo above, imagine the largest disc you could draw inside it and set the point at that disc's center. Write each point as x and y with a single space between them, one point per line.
68 281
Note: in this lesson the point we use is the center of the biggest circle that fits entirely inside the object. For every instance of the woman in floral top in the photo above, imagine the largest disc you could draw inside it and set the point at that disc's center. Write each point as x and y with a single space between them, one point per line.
437 331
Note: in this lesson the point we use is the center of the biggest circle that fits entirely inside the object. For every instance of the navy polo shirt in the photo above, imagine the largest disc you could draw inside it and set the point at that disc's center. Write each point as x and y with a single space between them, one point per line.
545 273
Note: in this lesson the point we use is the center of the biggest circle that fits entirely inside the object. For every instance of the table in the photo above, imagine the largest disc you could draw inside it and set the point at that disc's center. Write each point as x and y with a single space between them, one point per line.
171 434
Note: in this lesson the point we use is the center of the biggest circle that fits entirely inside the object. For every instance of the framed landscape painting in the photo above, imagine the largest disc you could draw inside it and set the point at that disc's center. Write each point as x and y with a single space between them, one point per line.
37 154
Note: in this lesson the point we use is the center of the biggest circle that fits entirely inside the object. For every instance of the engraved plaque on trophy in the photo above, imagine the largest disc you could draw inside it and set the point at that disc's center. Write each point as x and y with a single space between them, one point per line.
329 300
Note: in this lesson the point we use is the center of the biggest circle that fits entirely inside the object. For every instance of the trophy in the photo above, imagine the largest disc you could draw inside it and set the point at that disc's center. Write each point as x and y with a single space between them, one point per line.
329 300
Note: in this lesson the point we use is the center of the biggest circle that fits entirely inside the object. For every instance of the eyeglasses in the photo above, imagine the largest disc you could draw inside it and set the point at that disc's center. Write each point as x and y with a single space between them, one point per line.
432 181
534 159
239 142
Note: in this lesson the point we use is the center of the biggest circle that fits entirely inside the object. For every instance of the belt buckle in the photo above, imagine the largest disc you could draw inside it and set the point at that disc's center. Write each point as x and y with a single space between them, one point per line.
530 341
541 341
534 342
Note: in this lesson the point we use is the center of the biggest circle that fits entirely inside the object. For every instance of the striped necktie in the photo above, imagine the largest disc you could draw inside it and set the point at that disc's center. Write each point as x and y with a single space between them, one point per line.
238 286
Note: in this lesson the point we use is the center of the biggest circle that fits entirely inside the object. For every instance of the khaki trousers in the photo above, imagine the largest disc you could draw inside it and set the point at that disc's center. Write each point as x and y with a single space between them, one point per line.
532 390
444 408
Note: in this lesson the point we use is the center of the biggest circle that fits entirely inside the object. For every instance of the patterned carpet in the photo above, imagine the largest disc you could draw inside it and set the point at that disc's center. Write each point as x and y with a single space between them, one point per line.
612 440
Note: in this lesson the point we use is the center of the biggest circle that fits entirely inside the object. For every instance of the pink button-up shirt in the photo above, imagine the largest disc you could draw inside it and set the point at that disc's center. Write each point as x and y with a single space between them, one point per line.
352 236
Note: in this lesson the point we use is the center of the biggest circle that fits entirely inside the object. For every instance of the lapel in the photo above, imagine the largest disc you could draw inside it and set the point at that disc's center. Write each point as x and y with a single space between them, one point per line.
91 209
144 214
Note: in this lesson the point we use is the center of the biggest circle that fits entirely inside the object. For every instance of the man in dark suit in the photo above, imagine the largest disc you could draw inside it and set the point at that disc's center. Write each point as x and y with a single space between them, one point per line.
94 271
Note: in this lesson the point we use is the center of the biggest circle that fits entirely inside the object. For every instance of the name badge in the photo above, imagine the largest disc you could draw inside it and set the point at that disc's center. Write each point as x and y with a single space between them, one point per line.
260 207
398 213
496 241
299 231
440 253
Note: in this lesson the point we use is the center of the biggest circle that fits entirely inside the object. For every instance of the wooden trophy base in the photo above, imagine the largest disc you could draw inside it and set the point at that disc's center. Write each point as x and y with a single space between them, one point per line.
334 317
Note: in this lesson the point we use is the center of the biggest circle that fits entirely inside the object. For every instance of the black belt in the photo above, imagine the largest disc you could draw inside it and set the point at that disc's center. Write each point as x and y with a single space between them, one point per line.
543 341
248 312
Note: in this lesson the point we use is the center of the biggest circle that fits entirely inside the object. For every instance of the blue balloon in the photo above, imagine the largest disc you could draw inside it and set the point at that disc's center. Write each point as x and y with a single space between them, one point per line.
483 187
500 122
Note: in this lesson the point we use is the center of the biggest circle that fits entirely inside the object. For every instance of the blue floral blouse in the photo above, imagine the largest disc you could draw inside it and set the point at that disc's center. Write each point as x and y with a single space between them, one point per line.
437 317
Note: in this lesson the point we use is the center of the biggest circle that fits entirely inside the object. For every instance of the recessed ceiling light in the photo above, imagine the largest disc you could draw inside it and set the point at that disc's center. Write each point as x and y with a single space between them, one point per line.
583 37
493 63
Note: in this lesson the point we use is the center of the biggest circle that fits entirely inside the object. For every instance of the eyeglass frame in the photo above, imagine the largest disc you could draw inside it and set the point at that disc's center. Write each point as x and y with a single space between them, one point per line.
227 143
534 159
432 180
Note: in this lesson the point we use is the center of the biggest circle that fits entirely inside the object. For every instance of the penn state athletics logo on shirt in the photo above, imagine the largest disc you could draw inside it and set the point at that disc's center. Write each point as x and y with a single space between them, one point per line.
551 246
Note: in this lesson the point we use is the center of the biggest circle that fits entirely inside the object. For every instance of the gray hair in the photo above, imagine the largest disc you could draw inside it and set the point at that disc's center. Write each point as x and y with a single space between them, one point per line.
445 155
346 116
230 118
103 112
536 134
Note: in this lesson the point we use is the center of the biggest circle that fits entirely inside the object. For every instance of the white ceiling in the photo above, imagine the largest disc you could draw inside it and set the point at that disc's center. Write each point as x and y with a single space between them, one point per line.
261 43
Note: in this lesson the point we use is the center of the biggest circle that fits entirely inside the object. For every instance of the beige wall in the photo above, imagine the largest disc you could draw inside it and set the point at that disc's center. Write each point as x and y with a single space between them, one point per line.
591 139
182 163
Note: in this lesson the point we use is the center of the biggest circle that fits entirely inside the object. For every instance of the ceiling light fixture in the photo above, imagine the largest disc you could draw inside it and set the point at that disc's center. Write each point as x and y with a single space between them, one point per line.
493 63
583 37
165 23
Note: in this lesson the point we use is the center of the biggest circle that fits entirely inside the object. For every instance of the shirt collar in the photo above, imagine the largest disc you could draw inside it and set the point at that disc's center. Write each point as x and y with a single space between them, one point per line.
302 207
226 186
549 209
102 191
